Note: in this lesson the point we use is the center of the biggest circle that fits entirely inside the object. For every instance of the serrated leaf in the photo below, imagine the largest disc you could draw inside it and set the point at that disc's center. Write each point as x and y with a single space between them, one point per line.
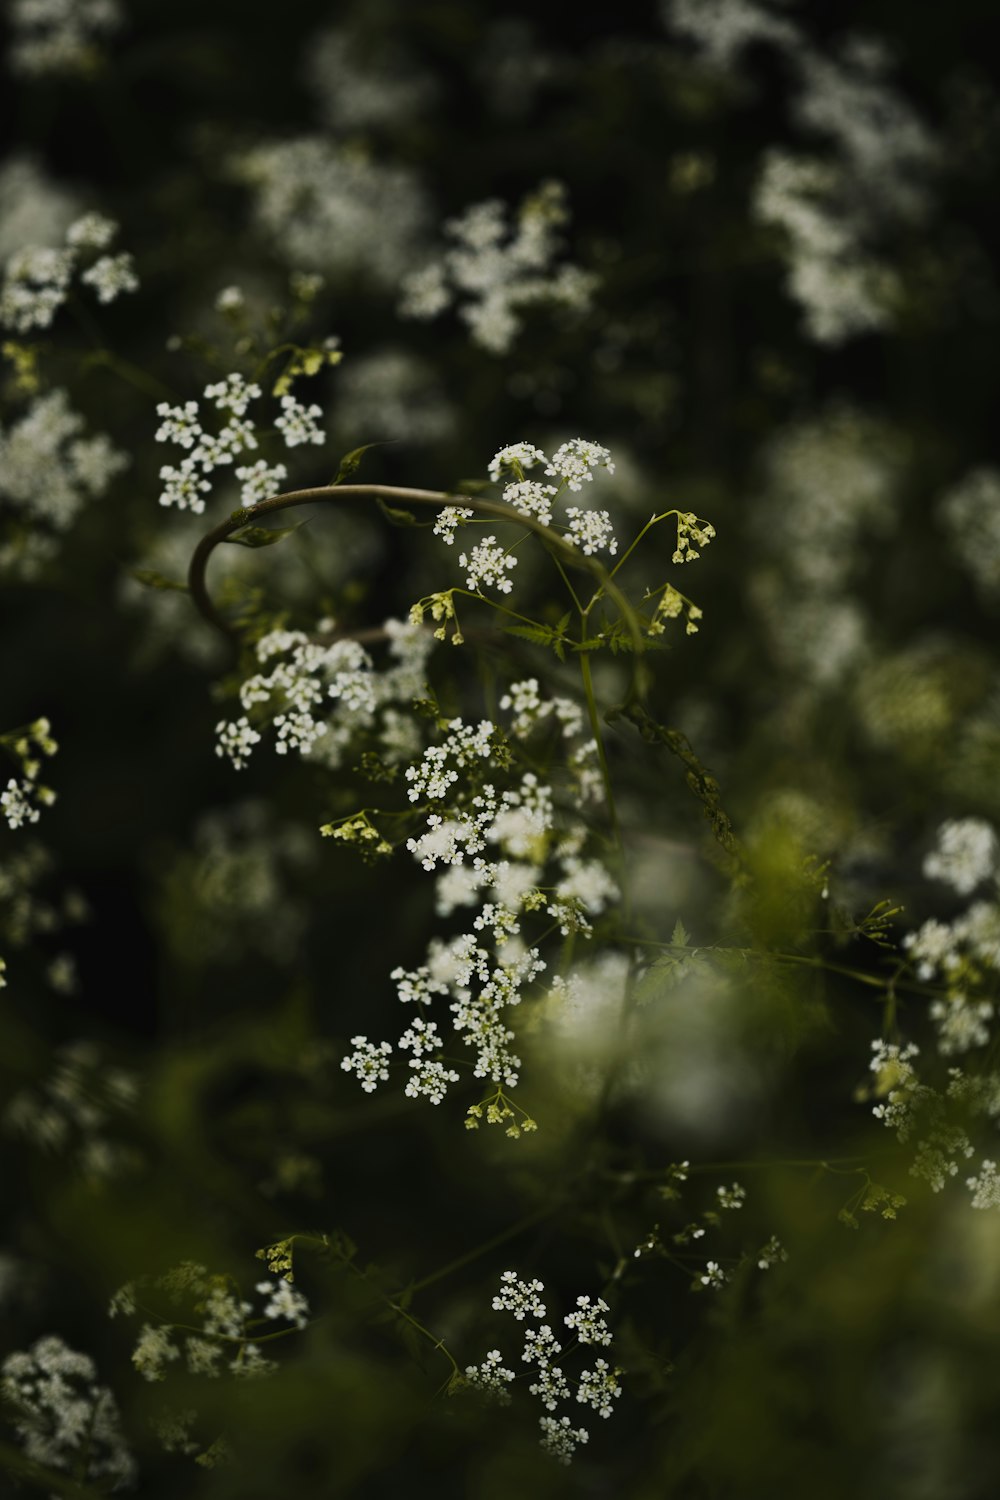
154 580
262 536
679 937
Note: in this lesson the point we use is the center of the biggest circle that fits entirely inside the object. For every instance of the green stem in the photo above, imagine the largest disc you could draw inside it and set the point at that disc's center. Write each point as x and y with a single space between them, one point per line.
327 494
498 1239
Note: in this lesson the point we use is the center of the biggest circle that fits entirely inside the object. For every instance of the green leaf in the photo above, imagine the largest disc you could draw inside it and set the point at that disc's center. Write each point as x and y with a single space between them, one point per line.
679 937
154 580
397 517
541 635
350 461
263 536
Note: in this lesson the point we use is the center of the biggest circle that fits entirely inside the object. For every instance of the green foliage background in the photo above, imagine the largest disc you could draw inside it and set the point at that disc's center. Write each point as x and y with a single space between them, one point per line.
867 1363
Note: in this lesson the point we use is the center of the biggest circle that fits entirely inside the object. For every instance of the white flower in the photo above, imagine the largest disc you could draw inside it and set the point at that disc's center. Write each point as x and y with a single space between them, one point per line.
233 394
91 232
599 1387
491 1377
181 424
591 530
531 498
714 1276
111 276
587 1323
298 423
560 1439
575 460
965 855
521 1298
284 1301
449 519
260 481
184 486
430 1079
236 740
368 1062
985 1188
487 566
515 459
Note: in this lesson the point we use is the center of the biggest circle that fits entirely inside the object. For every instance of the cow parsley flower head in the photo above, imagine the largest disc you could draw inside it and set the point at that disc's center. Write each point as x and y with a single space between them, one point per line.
576 460
520 1298
491 1377
587 1322
111 276
368 1062
449 519
531 498
487 566
599 1387
515 459
233 394
560 1438
966 854
591 530
260 481
64 1419
299 424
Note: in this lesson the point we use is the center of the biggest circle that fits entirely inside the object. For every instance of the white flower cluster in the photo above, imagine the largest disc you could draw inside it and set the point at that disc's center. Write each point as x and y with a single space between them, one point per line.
74 1111
488 564
48 471
65 37
970 511
495 269
324 206
307 673
831 209
500 853
64 1419
223 1317
37 278
965 855
596 1387
843 290
985 1186
187 484
911 1106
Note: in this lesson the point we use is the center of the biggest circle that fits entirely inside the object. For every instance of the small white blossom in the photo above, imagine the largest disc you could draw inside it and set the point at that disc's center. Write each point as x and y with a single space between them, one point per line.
591 530
298 424
985 1187
236 740
587 1323
515 459
284 1301
599 1387
714 1276
233 394
260 481
560 1439
430 1079
575 461
184 486
91 232
451 517
531 498
487 566
731 1197
154 1351
368 1062
111 276
965 855
520 1298
491 1377
181 424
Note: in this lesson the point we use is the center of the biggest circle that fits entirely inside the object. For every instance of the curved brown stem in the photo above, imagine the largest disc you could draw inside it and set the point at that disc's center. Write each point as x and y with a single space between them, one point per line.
322 494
